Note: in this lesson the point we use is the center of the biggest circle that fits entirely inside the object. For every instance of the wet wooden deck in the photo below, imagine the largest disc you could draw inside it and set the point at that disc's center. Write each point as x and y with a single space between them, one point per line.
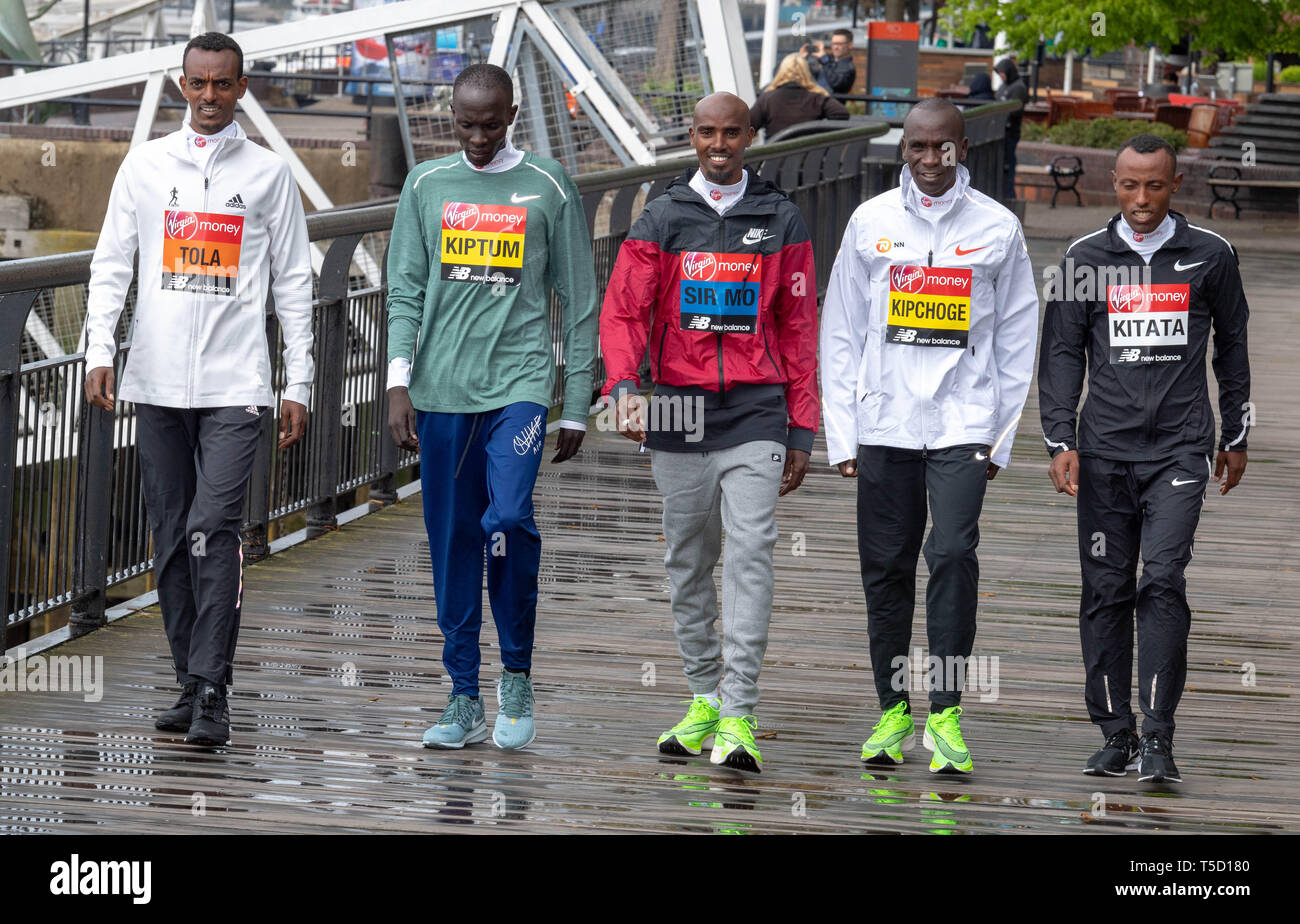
312 753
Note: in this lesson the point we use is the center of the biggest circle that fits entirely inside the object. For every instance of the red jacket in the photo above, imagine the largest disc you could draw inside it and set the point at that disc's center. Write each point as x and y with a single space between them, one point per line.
722 300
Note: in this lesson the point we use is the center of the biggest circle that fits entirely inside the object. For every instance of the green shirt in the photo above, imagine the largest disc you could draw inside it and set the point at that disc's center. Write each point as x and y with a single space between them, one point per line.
471 263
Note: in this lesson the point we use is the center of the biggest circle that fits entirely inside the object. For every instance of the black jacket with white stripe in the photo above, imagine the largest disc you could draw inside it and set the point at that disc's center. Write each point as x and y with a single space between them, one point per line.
1141 333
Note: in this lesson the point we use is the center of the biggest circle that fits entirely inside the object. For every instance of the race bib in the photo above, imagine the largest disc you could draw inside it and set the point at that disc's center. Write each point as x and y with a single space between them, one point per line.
1148 323
201 252
483 243
929 306
719 292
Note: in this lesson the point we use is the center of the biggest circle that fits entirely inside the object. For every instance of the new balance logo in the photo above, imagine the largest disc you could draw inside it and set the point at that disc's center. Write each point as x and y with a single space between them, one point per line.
459 272
756 236
235 202
178 282
1129 355
905 335
699 322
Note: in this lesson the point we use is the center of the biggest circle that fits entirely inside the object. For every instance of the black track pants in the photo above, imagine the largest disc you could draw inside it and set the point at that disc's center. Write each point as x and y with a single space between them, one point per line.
1127 510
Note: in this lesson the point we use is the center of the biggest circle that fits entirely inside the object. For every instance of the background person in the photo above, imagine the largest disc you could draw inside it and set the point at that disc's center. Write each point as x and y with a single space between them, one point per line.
1013 88
793 97
833 69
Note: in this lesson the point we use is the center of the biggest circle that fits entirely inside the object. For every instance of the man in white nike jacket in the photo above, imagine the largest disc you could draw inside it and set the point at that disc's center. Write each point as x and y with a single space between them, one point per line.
927 349
212 217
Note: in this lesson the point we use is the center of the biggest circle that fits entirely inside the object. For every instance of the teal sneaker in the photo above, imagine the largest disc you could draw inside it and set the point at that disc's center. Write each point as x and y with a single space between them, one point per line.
733 744
688 735
514 726
890 737
461 723
943 736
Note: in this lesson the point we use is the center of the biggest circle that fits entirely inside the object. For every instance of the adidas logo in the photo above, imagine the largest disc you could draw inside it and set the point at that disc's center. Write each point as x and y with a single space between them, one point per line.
235 202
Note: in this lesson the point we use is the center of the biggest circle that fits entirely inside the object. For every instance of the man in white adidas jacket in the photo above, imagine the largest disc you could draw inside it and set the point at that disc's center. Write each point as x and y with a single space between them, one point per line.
213 217
927 349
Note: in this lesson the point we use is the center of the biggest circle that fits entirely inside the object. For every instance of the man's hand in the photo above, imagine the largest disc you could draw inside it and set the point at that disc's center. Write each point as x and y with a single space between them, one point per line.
567 444
1065 472
99 387
293 422
401 418
796 466
631 416
1235 463
848 468
994 468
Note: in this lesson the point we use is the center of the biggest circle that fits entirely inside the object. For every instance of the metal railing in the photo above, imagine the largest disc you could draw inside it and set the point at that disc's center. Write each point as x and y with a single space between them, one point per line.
72 518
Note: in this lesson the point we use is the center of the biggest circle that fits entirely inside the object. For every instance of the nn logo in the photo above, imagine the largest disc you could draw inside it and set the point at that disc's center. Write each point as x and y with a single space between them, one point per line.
103 877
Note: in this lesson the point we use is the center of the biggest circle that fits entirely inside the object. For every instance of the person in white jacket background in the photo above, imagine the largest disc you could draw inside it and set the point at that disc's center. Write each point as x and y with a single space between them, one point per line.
216 220
927 350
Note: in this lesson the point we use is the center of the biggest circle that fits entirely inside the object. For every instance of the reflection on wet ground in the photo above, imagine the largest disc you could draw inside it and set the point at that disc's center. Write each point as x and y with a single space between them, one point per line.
338 674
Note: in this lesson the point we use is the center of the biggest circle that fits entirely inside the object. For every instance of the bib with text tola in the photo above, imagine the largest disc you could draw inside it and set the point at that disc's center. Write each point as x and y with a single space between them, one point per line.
201 252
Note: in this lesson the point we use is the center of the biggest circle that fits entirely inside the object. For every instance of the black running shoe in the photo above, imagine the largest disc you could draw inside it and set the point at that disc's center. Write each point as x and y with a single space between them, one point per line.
179 717
1117 757
1157 760
211 725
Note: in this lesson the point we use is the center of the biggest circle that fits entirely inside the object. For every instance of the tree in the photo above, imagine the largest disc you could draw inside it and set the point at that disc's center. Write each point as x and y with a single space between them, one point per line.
1238 28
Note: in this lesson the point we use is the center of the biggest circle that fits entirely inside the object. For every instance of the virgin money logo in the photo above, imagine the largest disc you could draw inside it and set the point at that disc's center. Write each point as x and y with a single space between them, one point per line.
927 201
182 225
461 216
1127 298
906 278
699 266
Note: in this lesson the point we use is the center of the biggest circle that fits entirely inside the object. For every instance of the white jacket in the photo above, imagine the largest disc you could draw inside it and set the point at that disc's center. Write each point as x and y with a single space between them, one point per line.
208 247
880 384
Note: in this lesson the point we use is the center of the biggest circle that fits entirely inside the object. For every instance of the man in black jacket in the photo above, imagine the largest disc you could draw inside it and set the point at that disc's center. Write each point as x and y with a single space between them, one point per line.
834 71
1135 303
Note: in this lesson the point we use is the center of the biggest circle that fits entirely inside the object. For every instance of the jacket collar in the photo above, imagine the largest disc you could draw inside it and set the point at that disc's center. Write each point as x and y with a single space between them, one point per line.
1177 241
176 141
761 196
907 189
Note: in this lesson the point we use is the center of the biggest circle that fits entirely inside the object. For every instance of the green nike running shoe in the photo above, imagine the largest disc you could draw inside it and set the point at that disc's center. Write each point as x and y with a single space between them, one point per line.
943 737
688 735
733 744
890 737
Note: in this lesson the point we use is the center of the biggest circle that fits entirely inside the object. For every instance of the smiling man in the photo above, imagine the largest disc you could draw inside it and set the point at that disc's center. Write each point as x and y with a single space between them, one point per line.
717 278
927 349
1138 457
479 240
213 217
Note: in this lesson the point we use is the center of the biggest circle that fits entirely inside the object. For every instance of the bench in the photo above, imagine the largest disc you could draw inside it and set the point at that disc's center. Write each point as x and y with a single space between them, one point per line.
1065 170
1235 183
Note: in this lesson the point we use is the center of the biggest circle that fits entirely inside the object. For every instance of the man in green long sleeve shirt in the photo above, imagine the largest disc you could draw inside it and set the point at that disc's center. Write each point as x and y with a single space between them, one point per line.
479 240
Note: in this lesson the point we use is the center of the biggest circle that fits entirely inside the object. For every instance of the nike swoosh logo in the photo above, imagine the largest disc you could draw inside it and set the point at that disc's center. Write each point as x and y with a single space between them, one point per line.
962 253
1176 482
516 198
1179 266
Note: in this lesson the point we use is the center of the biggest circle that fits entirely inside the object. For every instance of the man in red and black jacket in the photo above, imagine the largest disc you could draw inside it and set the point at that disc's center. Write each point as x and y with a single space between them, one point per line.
717 279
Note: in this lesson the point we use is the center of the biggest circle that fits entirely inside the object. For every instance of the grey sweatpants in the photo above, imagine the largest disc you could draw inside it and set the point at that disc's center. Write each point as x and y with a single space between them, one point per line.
704 492
194 466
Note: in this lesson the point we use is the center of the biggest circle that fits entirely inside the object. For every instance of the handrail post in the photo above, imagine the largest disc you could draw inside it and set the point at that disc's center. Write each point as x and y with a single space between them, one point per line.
383 490
94 499
14 308
326 424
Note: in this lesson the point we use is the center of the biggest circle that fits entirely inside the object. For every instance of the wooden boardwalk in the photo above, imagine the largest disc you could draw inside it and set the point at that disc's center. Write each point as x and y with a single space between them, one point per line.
338 674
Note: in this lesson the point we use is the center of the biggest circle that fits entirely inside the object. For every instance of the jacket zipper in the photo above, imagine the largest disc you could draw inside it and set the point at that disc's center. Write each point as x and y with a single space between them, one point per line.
722 382
768 351
658 371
